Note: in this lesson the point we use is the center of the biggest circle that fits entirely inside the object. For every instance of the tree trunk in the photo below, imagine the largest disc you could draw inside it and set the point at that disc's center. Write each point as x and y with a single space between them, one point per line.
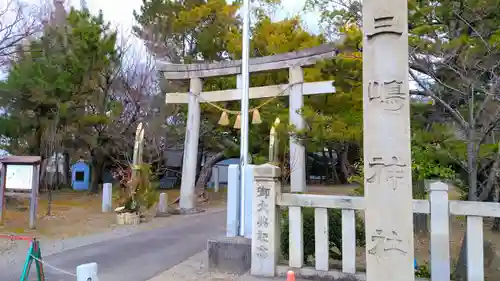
471 162
326 167
496 198
206 173
43 174
345 166
96 172
335 175
460 272
496 225
53 186
200 159
67 179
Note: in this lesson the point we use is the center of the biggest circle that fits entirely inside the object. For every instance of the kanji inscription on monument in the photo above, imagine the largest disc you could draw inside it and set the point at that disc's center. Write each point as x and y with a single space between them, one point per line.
263 194
389 94
262 191
383 243
391 172
386 148
265 220
383 21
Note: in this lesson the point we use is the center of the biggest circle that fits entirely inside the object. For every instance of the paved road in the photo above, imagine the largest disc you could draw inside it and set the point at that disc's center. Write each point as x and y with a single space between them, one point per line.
139 256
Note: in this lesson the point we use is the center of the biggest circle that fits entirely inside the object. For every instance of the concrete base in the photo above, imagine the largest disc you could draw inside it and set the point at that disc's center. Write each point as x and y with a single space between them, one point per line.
230 255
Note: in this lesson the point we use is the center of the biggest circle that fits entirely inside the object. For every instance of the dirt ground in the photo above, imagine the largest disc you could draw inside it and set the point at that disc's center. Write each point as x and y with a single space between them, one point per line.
457 230
72 214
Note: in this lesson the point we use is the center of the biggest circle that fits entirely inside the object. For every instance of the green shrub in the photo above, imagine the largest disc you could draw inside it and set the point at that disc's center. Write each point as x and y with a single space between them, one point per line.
334 233
145 189
423 271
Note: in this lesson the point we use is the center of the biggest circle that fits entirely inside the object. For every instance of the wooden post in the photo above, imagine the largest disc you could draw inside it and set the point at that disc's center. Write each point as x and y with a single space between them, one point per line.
387 155
265 221
87 272
107 197
440 232
190 160
34 197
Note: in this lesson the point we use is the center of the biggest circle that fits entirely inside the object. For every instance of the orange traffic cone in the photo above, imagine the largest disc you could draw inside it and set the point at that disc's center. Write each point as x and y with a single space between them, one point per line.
290 276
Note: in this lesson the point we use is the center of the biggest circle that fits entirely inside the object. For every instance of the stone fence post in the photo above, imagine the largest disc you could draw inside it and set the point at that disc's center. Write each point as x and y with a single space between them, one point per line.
233 201
107 197
265 220
440 231
87 272
215 178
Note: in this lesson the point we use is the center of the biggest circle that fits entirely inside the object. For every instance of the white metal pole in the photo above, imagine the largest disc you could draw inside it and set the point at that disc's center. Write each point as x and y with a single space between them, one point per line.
245 81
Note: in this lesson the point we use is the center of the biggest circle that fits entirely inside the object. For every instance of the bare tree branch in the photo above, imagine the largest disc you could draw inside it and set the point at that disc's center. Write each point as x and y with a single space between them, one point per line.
18 21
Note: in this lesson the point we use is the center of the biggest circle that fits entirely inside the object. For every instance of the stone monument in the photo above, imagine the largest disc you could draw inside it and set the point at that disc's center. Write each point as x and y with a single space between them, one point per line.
386 115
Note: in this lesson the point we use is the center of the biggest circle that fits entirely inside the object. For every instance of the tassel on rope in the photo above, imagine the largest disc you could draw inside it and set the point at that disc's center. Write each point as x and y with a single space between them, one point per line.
224 120
256 117
237 123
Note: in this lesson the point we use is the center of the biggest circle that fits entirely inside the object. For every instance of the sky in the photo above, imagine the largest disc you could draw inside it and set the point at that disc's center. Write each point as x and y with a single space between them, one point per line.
122 13
119 13
121 16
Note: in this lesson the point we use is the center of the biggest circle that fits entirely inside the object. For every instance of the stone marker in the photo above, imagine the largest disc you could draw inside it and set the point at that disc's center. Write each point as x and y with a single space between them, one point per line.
87 272
162 209
215 176
387 155
107 197
265 220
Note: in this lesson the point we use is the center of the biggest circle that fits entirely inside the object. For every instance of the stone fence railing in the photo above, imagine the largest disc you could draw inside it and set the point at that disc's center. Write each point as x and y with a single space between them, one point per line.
267 199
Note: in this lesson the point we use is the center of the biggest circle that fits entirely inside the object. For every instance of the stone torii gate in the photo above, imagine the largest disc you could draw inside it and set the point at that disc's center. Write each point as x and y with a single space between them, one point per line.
296 88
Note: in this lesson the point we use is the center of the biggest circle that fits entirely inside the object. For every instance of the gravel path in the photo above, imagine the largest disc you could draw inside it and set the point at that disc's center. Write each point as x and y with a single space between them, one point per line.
125 253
